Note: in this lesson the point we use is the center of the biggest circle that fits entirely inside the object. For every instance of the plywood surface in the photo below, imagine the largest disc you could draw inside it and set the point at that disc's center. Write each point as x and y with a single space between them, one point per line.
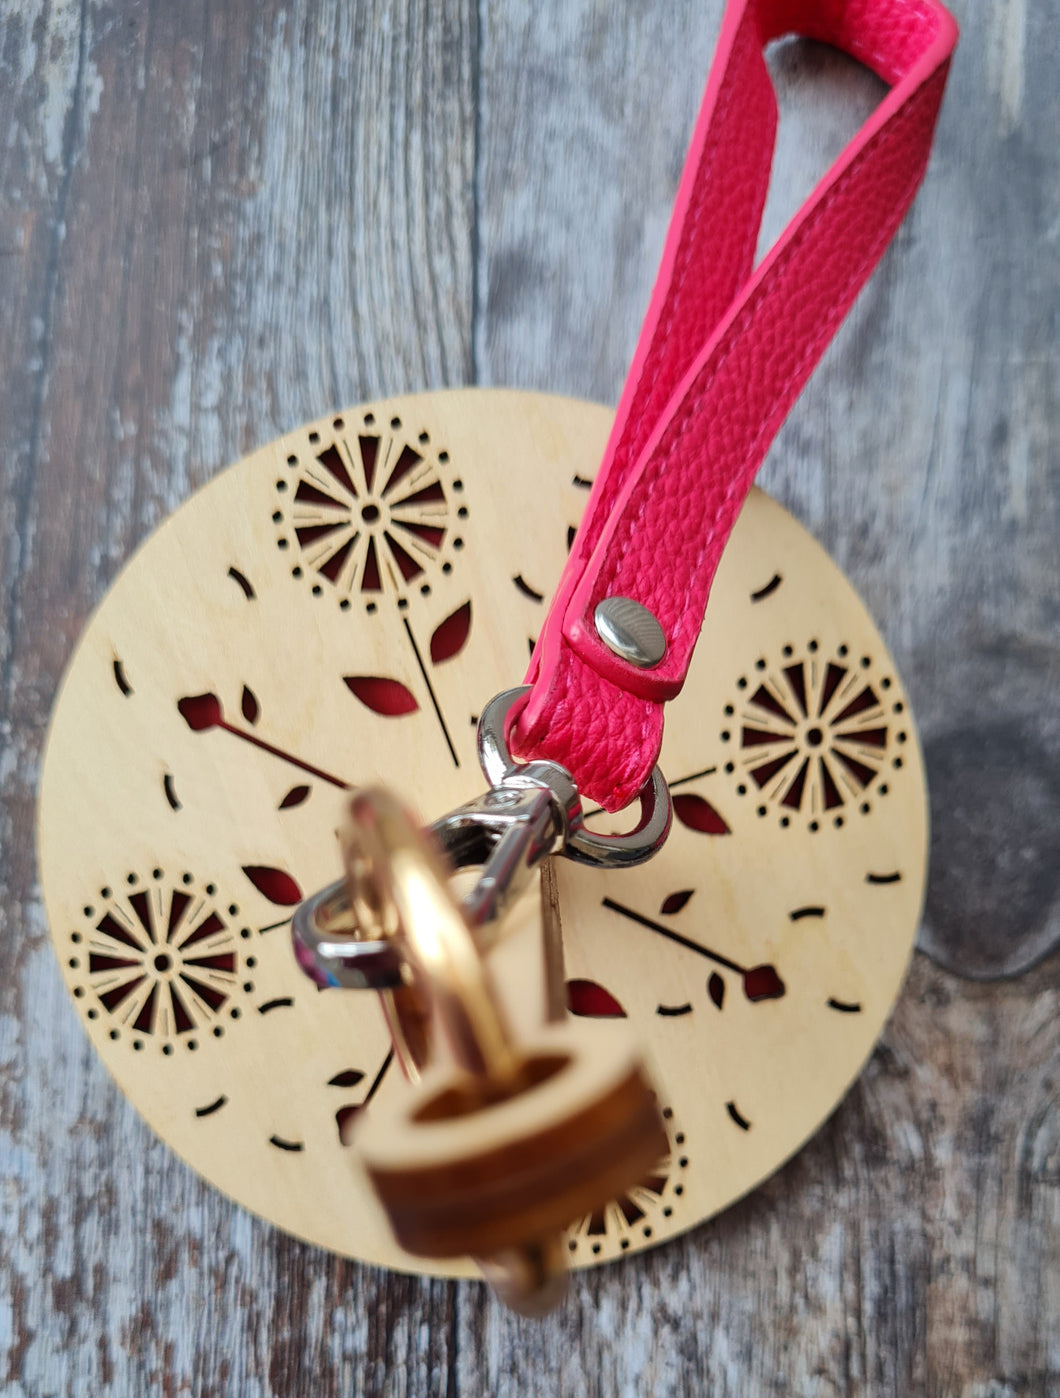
259 655
219 222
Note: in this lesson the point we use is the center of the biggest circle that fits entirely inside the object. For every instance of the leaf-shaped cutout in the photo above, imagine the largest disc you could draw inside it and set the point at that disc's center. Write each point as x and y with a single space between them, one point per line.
716 989
762 983
382 695
201 711
591 1001
450 637
249 704
349 1077
294 797
674 902
277 886
699 814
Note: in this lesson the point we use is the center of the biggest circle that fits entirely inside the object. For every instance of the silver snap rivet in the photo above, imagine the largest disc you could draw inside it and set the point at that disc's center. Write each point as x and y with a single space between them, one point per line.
630 631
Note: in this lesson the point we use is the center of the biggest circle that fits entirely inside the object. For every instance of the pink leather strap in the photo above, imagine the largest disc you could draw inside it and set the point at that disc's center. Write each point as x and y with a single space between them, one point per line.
724 352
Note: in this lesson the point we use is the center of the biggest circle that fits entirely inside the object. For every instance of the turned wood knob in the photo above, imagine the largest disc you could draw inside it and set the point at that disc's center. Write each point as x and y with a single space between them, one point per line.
472 1164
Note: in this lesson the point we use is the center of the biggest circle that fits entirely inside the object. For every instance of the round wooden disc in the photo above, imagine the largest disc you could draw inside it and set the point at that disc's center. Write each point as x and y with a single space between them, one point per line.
336 608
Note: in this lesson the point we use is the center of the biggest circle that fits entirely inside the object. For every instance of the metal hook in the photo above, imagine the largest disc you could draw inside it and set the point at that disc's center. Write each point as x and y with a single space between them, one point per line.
531 810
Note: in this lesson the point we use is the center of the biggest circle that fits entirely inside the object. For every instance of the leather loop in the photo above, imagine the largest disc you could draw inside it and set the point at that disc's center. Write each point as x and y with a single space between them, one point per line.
725 350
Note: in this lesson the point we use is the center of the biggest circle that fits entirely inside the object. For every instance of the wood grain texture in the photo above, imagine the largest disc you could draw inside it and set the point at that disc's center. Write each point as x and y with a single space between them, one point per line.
172 926
217 222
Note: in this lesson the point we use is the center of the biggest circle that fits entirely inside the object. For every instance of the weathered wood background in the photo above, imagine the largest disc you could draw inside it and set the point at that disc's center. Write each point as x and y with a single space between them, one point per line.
221 220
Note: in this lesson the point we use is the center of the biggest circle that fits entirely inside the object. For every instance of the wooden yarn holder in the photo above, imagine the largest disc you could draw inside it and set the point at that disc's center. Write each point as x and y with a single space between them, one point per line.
333 610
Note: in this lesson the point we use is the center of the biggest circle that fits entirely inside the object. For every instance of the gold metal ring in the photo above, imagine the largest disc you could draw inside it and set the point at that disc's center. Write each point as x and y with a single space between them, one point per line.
399 890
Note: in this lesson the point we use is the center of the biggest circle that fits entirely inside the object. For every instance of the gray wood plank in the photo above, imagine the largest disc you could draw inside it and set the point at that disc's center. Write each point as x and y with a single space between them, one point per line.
216 222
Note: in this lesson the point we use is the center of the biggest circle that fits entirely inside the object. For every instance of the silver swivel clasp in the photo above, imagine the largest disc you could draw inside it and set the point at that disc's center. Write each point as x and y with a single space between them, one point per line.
531 810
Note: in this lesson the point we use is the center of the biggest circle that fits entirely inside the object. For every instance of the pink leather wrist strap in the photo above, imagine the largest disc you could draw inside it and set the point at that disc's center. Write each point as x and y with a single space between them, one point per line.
724 352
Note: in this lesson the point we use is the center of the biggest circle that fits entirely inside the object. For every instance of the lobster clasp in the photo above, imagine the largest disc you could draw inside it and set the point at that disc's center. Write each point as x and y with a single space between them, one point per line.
505 834
530 811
